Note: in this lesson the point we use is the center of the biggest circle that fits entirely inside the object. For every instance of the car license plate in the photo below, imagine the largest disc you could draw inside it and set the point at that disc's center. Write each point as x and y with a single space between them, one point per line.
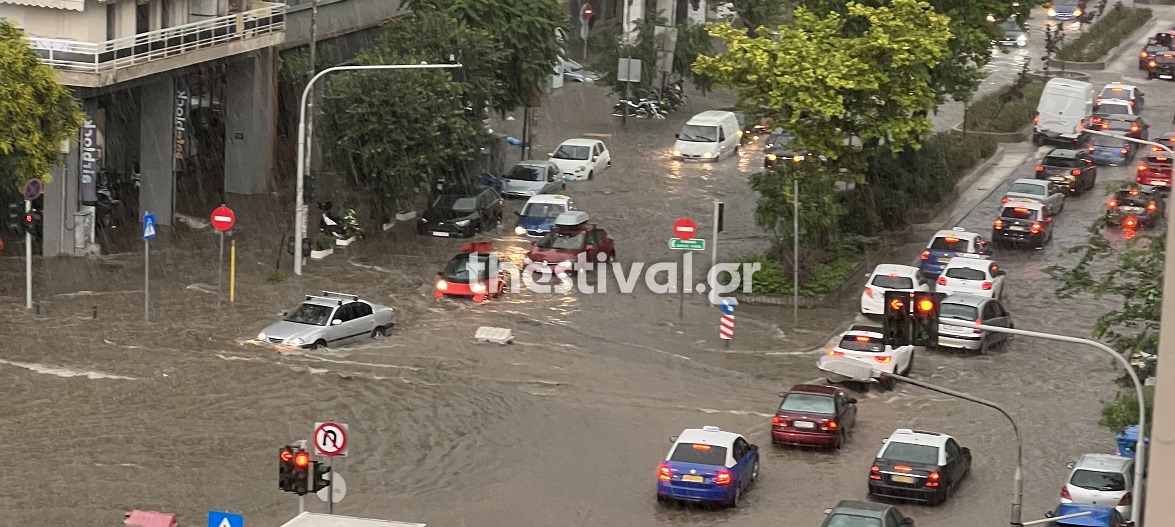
804 424
902 479
1015 228
1164 76
944 260
693 479
1132 210
438 233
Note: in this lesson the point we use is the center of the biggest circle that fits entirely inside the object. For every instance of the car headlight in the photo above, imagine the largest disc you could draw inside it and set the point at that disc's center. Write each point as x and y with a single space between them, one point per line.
462 223
1077 12
423 219
707 154
1021 39
772 157
580 169
442 285
261 336
478 288
519 231
1052 12
295 341
677 153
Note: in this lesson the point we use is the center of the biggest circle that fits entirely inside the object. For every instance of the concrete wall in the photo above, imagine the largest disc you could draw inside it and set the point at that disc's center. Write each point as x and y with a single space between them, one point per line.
157 147
61 201
337 17
248 130
41 22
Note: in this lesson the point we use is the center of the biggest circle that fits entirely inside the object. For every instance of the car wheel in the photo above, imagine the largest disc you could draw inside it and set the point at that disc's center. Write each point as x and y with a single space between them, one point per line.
840 440
734 500
319 344
377 332
886 384
984 346
909 366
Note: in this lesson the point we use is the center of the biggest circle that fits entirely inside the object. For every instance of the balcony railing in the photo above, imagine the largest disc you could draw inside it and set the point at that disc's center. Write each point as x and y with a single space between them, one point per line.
113 55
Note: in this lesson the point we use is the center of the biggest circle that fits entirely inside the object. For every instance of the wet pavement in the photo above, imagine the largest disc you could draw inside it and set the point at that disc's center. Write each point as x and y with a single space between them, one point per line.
563 427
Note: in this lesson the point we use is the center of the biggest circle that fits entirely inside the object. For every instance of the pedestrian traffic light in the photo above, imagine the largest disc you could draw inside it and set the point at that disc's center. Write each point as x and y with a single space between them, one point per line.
926 318
896 324
320 481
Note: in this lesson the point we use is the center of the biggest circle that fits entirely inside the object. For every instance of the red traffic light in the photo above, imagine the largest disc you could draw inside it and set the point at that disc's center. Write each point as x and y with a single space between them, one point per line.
925 305
286 456
897 304
302 460
28 218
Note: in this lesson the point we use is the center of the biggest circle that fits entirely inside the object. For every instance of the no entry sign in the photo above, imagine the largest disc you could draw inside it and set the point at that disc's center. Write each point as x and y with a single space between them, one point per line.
685 228
588 11
223 218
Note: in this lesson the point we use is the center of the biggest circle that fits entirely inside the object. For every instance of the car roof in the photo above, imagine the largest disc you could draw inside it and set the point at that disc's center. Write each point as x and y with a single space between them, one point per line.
966 261
1062 152
965 300
1033 205
918 437
875 510
534 162
548 198
1102 462
1039 182
710 117
963 235
1118 85
709 436
1119 116
862 328
580 142
815 389
900 270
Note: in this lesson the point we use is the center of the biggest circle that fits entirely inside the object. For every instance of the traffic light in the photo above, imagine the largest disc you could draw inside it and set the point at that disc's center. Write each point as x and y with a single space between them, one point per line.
926 318
293 470
301 472
896 325
28 223
285 469
320 482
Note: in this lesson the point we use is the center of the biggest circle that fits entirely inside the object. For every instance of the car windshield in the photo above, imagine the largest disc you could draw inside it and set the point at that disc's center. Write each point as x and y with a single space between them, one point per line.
1066 162
699 134
910 453
1118 125
1020 213
573 152
1094 480
1158 160
527 173
1010 25
543 210
1115 93
571 65
852 520
779 140
1029 188
463 268
966 273
561 241
312 314
456 203
893 281
958 311
861 343
700 454
1066 3
949 243
807 403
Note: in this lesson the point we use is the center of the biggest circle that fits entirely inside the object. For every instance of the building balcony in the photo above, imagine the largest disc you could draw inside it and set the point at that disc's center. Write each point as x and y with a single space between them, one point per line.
96 64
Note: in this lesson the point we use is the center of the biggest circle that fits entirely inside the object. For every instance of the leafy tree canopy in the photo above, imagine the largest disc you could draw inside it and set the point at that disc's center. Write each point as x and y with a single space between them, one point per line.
523 29
755 14
608 46
397 130
826 87
37 113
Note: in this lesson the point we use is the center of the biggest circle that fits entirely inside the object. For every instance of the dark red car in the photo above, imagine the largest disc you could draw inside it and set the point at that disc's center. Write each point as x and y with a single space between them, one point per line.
1155 171
814 415
570 237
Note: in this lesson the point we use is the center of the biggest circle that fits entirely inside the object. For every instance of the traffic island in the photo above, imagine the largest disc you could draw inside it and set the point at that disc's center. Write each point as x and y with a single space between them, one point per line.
1001 117
1089 51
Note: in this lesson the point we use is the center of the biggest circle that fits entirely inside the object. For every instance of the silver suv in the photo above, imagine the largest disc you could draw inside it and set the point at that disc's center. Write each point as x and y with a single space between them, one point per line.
1101 479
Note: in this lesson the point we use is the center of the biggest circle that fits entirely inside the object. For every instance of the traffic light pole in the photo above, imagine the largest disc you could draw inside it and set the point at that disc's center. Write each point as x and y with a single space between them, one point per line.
330 489
28 258
1140 445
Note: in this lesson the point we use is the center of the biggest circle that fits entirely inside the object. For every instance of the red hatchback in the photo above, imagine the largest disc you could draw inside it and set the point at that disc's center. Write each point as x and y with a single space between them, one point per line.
564 244
814 415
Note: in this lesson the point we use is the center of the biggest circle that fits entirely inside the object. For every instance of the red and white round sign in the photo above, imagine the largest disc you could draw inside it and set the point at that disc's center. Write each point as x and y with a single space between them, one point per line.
685 229
223 218
330 439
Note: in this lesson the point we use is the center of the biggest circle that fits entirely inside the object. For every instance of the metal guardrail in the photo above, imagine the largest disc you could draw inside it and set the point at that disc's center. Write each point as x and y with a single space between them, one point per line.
120 53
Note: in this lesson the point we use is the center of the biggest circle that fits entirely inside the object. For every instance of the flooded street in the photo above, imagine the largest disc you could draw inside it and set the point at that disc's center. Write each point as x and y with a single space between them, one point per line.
565 426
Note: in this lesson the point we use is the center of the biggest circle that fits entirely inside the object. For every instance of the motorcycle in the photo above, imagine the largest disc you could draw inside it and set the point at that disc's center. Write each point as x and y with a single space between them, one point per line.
109 206
642 109
331 224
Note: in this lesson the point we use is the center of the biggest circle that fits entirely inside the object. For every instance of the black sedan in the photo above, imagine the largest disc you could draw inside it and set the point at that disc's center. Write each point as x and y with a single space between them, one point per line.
461 215
918 466
777 148
1136 207
854 513
1161 66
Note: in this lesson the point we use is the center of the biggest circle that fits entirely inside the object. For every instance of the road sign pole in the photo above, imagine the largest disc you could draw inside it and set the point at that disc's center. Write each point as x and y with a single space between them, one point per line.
330 489
146 280
681 288
795 263
28 260
220 271
232 271
714 250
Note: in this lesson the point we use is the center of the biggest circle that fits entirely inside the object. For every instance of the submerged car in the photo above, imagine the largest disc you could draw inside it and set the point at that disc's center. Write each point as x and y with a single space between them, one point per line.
949 244
976 309
1035 190
889 277
475 273
327 320
575 72
1105 480
537 217
863 356
1097 516
862 513
1112 151
1155 171
1066 9
1069 170
461 215
1134 207
814 415
1013 34
571 237
1161 66
580 159
918 466
778 148
1025 224
708 465
533 177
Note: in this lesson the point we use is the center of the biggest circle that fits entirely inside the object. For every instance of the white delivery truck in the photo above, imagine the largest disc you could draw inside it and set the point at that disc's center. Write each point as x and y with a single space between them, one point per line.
1065 108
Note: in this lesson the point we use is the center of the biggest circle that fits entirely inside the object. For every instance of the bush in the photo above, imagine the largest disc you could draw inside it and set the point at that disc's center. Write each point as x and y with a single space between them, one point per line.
1105 34
823 278
990 114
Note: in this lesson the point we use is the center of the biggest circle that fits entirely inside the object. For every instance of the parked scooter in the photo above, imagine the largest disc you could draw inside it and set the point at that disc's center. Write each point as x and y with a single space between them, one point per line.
108 208
331 224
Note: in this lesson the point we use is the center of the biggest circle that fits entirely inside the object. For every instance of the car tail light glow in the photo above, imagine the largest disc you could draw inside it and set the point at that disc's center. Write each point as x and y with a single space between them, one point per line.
1005 200
1065 493
1106 126
1037 227
1143 54
902 468
1091 149
1126 500
1112 204
1130 222
1020 210
1036 119
723 478
951 240
776 421
1039 168
1141 168
701 447
873 472
664 473
1075 172
987 286
999 224
831 425
933 479
942 280
834 353
1152 206
863 338
1151 64
883 360
926 254
1125 151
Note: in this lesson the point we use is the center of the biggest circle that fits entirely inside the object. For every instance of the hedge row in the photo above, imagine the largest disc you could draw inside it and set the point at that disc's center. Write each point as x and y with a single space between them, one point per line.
1105 34
990 114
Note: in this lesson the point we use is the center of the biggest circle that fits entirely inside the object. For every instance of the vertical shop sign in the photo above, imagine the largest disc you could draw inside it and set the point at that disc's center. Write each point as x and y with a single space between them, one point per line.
88 186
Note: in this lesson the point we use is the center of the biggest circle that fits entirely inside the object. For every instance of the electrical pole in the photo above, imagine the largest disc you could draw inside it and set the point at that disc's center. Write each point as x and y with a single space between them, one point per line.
303 208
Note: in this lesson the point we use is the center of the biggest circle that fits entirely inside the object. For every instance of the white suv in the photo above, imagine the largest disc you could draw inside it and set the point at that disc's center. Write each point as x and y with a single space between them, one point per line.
971 276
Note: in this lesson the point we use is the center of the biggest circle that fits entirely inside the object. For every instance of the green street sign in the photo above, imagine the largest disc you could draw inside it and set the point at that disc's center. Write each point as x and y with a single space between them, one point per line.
696 244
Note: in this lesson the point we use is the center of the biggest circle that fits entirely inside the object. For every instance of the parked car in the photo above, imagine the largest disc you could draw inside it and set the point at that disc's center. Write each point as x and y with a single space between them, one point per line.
533 177
1035 190
1070 170
814 415
865 514
329 319
889 277
918 466
462 215
972 308
708 465
575 72
580 159
1028 224
1101 479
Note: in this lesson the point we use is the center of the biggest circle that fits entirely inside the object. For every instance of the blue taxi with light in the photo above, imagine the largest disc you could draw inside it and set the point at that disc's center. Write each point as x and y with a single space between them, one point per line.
1096 516
949 244
537 216
708 465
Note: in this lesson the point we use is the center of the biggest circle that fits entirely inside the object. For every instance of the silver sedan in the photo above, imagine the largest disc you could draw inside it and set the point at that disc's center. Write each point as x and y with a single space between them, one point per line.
329 320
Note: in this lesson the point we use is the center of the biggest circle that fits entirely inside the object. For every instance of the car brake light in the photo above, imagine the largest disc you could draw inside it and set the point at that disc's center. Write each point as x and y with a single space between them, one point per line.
1037 227
1112 204
883 360
1036 120
1021 210
776 421
932 479
862 338
1065 493
987 286
1075 172
902 468
834 353
664 473
1161 159
1090 149
942 280
1039 168
1133 192
1152 206
951 240
999 224
832 426
1151 64
1141 168
1142 54
1106 126
873 472
977 331
1127 499
701 447
1134 128
1005 200
926 254
1130 222
723 478
1125 151
869 292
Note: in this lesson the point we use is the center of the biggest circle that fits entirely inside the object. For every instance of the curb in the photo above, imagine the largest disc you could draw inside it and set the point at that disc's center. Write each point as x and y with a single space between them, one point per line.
968 181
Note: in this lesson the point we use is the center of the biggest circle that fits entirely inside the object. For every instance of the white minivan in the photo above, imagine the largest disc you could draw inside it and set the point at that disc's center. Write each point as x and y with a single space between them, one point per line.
1065 108
708 136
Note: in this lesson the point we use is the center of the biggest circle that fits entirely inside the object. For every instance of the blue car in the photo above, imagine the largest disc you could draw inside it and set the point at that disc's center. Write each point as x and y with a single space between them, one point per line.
1098 516
949 244
708 465
1066 10
1112 151
537 217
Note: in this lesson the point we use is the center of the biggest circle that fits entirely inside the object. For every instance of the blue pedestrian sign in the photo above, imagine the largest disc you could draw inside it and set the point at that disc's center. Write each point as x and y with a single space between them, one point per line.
728 305
225 519
149 228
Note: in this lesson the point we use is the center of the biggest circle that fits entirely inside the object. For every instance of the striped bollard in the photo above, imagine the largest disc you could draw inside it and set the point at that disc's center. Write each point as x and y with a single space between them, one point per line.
726 329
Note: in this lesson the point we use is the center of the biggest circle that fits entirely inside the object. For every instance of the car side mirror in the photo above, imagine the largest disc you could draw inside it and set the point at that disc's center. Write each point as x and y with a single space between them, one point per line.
336 322
517 213
827 511
285 313
672 439
1070 464
1128 524
884 441
595 158
440 273
550 154
1048 514
677 136
783 394
852 400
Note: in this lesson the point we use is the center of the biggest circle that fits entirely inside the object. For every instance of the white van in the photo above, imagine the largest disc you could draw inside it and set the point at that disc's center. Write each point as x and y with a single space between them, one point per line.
1065 108
708 136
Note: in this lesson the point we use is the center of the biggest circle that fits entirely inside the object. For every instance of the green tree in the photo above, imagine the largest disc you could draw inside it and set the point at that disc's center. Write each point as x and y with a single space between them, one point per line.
755 14
396 130
37 113
608 46
523 29
819 206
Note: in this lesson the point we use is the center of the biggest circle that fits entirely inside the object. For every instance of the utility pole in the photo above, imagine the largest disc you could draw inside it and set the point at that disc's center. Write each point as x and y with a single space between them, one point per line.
628 64
303 208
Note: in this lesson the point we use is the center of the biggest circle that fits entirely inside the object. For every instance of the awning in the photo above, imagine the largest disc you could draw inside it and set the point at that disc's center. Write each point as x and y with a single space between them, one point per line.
72 5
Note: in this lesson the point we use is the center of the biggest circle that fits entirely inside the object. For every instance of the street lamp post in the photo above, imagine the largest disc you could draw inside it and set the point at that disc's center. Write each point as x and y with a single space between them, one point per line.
303 160
1140 444
795 241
